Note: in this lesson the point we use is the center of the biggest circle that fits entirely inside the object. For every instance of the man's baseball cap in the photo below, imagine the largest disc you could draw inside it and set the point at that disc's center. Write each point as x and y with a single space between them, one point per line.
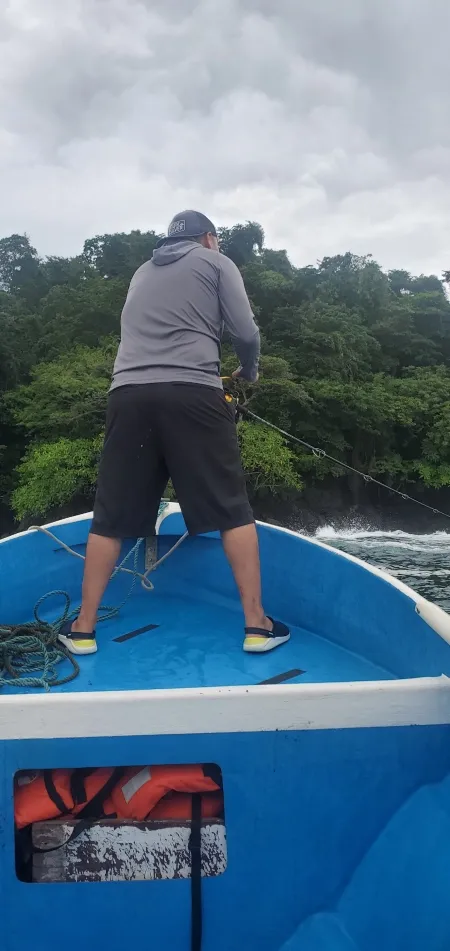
188 224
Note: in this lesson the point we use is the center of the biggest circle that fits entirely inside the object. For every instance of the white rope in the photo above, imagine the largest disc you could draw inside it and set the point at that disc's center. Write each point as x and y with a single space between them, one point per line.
145 582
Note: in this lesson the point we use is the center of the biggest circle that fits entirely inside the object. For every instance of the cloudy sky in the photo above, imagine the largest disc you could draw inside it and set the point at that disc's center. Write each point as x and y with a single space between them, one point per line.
328 122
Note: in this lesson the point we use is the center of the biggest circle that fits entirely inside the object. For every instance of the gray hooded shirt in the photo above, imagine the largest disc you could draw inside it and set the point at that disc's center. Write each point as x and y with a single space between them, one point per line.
177 307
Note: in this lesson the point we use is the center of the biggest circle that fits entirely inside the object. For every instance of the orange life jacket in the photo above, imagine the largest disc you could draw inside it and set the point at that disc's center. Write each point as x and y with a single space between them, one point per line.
50 794
141 789
179 806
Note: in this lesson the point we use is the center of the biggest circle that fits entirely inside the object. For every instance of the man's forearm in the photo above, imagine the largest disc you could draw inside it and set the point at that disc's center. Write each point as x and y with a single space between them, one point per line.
248 352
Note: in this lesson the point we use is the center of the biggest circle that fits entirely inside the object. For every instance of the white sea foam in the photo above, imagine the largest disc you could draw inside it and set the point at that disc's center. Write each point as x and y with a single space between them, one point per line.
419 572
434 543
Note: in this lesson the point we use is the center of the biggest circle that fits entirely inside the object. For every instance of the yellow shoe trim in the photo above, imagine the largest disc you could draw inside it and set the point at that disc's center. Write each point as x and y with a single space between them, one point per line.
255 640
84 643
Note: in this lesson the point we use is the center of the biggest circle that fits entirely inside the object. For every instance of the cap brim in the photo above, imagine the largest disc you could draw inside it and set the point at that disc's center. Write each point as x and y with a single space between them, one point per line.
183 237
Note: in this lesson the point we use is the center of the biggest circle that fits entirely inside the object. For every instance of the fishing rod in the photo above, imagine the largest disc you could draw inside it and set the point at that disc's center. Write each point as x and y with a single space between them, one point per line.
242 411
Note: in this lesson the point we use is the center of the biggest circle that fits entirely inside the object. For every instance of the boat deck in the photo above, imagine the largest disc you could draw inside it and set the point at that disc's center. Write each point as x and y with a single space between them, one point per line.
347 623
166 642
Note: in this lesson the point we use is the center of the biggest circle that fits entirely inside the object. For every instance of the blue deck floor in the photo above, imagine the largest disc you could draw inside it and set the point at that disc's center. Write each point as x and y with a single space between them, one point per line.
198 644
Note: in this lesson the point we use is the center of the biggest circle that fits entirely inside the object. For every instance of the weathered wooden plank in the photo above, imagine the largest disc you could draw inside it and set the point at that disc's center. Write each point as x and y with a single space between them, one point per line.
112 851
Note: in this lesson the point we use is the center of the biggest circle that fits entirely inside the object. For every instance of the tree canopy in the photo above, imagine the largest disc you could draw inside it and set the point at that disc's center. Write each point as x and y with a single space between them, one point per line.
355 360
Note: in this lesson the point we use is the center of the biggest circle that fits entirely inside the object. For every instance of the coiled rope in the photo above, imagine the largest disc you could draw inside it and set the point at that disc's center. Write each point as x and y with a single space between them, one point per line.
35 646
25 648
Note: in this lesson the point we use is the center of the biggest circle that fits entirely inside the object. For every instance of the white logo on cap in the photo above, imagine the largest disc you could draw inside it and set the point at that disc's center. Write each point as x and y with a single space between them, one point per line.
176 227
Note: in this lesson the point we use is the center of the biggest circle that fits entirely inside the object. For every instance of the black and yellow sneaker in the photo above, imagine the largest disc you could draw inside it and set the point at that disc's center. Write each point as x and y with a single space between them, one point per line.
75 641
257 639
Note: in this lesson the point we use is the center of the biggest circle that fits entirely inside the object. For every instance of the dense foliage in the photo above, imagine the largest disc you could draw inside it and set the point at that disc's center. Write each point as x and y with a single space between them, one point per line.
355 360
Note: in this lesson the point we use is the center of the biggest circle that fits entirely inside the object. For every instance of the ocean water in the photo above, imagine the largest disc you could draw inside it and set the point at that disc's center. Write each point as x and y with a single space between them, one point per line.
421 561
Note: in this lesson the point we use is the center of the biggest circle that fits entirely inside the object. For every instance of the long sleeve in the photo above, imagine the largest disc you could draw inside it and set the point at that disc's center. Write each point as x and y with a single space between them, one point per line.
238 318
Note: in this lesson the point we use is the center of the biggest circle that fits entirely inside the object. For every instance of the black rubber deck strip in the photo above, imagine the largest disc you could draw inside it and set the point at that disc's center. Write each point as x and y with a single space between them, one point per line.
280 678
140 630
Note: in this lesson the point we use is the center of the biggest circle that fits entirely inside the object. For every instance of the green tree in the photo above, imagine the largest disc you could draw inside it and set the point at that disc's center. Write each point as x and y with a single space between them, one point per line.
52 474
57 270
268 461
66 397
242 242
20 268
355 361
80 315
277 261
119 255
323 339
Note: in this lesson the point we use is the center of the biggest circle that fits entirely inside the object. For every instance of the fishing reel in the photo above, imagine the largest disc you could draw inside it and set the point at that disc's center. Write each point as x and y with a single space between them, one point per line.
234 397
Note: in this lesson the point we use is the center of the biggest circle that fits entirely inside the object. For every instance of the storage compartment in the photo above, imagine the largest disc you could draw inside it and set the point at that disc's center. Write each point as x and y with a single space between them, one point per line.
115 824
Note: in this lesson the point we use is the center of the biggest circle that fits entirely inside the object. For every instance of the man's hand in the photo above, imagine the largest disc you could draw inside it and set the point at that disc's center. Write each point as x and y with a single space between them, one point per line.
237 376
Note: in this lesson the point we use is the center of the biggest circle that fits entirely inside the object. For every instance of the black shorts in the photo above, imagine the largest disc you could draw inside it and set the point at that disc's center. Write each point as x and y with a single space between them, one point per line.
157 431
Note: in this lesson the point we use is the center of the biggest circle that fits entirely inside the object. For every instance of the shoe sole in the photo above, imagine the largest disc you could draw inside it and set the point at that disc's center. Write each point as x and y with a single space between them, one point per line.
270 645
71 646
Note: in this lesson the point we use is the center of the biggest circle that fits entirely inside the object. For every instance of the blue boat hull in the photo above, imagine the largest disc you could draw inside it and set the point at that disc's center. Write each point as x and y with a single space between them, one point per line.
327 832
336 784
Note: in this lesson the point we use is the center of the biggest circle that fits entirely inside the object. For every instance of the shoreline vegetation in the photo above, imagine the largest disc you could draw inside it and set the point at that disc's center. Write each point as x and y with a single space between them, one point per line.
355 360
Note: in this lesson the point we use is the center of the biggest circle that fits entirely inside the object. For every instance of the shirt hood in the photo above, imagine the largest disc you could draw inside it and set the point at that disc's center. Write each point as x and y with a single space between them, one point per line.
172 251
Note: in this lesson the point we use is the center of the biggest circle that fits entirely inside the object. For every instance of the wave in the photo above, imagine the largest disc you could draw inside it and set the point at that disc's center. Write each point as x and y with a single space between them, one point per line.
420 573
328 532
369 542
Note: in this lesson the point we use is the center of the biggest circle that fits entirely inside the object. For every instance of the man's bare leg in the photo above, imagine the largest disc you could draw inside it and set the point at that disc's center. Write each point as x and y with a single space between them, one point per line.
101 557
242 550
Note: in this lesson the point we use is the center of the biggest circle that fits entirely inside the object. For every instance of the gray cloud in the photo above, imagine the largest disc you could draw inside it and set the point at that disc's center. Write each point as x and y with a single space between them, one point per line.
327 122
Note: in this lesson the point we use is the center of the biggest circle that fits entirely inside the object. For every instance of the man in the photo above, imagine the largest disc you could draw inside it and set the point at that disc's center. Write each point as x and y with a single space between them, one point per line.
167 417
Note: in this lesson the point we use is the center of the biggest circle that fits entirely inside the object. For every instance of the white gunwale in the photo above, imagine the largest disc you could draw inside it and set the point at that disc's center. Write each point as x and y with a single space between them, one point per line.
288 707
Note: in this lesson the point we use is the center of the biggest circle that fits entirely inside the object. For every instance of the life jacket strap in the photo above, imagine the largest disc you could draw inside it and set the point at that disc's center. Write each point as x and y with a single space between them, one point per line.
53 793
94 808
78 785
195 845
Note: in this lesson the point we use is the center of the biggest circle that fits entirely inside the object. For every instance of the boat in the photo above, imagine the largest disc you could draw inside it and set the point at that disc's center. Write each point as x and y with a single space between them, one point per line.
333 751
